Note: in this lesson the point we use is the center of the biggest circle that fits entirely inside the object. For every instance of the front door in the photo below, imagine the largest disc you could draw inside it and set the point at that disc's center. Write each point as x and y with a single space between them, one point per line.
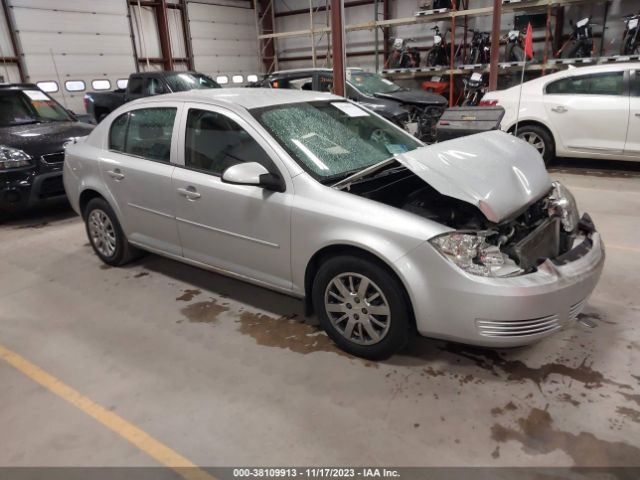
589 112
632 147
138 170
237 228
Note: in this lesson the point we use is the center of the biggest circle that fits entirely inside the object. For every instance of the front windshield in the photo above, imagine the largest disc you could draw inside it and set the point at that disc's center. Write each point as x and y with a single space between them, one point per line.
21 107
370 83
181 82
333 139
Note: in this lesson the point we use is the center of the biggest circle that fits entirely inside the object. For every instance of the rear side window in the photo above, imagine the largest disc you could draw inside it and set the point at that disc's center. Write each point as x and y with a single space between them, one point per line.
144 133
135 85
610 83
118 133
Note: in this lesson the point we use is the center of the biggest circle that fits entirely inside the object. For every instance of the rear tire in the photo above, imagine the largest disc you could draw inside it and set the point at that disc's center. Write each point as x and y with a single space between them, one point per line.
539 138
106 236
346 292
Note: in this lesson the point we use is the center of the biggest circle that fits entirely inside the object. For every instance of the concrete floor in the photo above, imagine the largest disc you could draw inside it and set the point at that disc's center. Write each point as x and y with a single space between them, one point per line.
230 374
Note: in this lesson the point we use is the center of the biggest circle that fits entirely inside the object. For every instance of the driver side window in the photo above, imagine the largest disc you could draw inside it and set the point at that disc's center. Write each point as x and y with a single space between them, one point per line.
214 142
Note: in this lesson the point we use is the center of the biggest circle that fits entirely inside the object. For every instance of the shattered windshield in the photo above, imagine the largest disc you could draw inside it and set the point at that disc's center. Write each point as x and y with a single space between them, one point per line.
333 139
370 83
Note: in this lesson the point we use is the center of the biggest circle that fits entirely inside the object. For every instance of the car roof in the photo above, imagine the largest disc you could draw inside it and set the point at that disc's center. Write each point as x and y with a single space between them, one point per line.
246 97
310 70
18 86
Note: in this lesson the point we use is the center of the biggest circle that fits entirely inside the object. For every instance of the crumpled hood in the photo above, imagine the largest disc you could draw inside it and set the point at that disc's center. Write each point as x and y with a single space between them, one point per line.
494 171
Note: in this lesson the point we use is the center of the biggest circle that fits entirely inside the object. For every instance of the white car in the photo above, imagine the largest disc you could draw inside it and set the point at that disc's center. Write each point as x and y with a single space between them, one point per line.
587 112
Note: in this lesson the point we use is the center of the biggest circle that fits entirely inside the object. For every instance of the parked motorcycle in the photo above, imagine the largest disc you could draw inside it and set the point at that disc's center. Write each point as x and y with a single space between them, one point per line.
514 48
402 55
439 53
631 39
474 89
480 51
581 40
436 85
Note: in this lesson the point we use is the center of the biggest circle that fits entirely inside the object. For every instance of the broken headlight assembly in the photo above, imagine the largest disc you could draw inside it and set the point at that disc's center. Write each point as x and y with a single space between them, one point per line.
11 158
563 204
471 252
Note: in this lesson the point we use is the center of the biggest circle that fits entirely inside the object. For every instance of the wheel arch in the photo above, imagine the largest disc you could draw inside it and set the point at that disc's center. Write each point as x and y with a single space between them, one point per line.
89 193
334 250
536 123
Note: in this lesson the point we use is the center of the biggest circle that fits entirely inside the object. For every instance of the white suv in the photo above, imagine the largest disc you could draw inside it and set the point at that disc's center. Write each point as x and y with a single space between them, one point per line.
588 112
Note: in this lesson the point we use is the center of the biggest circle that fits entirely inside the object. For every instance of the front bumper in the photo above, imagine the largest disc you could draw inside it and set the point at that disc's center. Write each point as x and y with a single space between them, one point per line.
500 312
24 189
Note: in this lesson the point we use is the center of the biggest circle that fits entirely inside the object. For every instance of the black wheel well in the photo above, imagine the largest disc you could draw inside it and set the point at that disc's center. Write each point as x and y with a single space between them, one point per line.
333 251
531 123
85 197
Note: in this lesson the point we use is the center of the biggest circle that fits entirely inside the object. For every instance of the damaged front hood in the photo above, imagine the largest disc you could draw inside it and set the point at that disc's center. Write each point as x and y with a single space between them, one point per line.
494 171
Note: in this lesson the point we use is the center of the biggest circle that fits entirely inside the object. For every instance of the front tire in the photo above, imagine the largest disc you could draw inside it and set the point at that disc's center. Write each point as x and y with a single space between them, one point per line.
105 234
362 307
540 139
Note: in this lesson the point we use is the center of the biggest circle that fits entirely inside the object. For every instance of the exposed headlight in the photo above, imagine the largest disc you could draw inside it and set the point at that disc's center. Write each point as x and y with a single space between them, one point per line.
563 204
13 158
471 252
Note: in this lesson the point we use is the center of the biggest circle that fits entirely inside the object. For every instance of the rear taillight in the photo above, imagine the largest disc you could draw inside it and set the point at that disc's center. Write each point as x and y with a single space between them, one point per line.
488 103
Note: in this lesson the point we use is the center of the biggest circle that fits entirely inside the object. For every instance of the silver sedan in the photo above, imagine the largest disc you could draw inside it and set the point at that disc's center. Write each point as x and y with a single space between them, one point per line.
312 195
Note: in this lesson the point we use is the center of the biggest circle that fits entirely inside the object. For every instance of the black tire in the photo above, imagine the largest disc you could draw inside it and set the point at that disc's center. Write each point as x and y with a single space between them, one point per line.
399 321
431 59
573 50
546 137
123 252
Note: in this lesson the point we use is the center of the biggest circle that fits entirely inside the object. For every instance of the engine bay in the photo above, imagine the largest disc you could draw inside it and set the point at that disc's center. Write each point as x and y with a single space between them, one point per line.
528 238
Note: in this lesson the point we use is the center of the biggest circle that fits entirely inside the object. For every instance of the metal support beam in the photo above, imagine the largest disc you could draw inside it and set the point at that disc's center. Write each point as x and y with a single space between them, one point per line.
495 45
386 15
265 19
337 43
163 31
186 30
14 41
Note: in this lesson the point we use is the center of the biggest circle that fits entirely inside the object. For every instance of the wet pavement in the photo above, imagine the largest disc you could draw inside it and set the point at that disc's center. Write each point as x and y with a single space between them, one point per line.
231 374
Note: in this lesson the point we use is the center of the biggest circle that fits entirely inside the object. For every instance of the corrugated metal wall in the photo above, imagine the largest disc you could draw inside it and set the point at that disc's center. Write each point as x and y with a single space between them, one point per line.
81 43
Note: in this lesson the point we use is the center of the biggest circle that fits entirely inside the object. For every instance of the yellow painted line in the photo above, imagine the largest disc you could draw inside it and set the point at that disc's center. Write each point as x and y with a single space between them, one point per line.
621 247
145 442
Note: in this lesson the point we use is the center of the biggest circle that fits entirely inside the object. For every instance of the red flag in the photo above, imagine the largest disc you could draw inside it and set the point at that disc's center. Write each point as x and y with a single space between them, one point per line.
528 43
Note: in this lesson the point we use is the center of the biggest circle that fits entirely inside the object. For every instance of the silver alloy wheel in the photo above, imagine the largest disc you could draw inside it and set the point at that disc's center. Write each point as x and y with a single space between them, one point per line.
357 308
102 233
535 140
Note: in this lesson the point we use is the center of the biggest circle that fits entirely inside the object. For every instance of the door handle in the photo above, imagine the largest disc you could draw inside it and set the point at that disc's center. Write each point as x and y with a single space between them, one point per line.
116 174
189 192
559 109
637 114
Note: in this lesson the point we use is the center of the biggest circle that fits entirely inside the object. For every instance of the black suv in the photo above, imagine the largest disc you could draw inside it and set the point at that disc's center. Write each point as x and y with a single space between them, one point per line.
414 110
33 129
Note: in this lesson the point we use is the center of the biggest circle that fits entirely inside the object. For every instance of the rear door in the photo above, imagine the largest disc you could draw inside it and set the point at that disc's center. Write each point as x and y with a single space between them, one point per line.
632 147
590 112
137 170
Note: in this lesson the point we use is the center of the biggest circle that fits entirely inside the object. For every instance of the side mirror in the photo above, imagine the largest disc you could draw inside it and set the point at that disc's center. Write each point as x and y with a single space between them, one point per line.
72 114
252 173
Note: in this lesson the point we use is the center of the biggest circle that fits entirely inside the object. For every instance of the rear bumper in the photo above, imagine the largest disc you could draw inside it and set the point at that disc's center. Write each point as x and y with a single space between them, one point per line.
500 312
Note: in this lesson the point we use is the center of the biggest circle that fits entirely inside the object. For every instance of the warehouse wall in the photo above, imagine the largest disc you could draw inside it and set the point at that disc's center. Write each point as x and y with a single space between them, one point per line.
362 41
75 43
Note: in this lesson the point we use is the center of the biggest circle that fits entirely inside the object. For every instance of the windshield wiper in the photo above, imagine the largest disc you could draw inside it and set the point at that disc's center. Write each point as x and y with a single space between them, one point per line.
342 184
